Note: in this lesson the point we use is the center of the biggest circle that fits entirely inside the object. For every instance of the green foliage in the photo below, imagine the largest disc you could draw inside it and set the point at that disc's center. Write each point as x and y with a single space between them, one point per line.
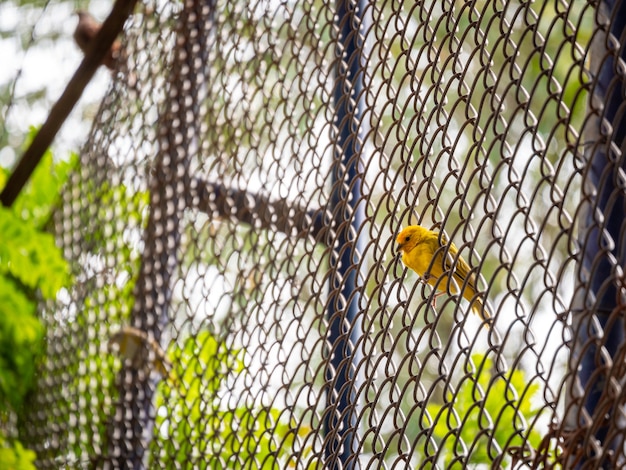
467 417
130 211
114 301
16 457
192 422
111 302
30 262
39 197
31 268
30 257
21 336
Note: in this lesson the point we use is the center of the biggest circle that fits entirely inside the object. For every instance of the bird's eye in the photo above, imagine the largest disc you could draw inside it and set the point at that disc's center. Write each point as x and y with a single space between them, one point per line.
407 238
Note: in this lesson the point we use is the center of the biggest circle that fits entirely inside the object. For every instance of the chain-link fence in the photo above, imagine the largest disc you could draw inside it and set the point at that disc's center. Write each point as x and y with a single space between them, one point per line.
238 299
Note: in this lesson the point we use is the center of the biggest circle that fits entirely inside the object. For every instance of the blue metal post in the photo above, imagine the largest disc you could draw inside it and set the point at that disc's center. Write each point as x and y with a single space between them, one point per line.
602 235
344 329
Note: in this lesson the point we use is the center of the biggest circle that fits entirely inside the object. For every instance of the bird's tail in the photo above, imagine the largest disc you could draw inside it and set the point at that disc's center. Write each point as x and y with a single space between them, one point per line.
480 309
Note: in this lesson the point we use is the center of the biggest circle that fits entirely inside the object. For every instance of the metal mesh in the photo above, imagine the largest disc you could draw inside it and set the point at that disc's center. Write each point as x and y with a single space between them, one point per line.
238 301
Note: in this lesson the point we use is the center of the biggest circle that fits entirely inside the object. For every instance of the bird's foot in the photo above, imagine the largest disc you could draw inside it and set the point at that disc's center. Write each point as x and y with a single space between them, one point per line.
435 297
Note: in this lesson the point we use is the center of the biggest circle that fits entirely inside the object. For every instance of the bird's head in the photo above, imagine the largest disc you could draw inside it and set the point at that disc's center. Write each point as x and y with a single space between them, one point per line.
410 237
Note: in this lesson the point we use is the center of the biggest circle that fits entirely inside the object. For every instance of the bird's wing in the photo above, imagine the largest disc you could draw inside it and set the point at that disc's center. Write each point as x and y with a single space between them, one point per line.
458 266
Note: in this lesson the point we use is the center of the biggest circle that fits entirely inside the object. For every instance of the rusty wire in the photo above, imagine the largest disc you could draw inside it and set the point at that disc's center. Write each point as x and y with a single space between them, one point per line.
201 228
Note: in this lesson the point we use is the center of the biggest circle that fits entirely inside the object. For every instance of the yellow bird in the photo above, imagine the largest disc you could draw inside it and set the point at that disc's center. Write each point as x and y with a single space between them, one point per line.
419 245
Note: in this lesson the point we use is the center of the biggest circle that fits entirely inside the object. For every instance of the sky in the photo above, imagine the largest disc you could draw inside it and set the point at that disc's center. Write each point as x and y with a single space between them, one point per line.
40 56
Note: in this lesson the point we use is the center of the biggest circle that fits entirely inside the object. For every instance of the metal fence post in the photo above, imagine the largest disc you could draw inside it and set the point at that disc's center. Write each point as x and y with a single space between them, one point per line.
344 330
132 429
597 346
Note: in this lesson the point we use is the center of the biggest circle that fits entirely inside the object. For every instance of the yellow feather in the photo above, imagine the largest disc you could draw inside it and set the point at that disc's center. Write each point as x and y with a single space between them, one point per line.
424 254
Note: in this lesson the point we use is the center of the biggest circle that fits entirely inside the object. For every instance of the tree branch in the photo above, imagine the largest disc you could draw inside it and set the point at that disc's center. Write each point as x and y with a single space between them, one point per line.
280 215
111 28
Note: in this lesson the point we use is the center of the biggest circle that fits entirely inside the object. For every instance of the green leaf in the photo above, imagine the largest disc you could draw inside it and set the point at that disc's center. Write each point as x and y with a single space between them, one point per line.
30 256
37 200
483 408
21 342
17 457
250 437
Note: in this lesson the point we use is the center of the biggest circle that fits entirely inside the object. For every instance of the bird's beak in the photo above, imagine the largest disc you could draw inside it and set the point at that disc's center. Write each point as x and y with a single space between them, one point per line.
400 248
